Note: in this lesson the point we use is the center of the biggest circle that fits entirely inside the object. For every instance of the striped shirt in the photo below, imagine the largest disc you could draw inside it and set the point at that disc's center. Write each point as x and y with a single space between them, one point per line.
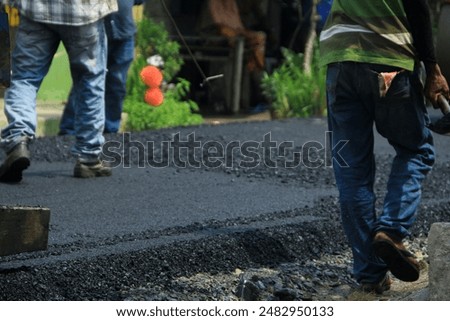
66 12
369 32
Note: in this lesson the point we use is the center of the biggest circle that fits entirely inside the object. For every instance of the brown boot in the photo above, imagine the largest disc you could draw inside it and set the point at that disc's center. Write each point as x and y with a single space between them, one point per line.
17 160
400 262
97 168
378 288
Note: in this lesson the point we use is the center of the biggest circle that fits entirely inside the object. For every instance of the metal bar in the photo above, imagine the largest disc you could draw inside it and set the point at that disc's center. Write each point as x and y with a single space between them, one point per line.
237 75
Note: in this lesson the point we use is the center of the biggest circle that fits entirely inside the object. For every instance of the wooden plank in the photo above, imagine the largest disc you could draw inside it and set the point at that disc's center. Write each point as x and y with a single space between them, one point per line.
23 229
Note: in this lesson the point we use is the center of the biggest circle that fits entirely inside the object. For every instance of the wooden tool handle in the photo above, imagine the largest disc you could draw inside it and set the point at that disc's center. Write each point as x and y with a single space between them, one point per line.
443 105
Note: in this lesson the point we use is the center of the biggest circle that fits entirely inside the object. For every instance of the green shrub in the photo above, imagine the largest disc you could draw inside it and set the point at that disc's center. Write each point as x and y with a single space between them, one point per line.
293 92
153 39
173 112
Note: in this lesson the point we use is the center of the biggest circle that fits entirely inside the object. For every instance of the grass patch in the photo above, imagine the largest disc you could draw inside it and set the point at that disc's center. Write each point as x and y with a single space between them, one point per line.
57 83
45 127
48 127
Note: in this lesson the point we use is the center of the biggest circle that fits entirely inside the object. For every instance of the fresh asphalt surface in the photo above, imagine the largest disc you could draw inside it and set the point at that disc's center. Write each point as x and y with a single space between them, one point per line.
141 209
138 200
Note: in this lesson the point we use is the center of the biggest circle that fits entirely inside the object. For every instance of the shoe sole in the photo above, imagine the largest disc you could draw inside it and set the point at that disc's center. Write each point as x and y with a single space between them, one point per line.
90 175
82 173
14 173
397 262
378 289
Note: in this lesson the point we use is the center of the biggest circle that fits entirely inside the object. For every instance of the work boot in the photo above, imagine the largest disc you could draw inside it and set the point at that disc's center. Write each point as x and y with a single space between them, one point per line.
17 160
378 288
96 168
400 262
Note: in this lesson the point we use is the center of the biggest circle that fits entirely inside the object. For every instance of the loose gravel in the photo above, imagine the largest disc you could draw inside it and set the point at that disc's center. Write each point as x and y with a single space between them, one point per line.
304 259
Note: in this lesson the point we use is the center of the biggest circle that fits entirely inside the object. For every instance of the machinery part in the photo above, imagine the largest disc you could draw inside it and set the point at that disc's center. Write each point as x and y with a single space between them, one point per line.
443 40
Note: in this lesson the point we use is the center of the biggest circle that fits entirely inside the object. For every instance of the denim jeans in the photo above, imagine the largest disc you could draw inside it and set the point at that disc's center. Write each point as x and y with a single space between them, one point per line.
355 105
120 55
36 44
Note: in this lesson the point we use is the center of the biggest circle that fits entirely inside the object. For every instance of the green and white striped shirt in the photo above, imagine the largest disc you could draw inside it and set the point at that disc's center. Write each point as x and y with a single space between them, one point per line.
373 31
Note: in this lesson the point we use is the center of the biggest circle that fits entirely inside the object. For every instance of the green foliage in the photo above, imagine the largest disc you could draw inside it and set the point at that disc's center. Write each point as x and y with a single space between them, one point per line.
293 92
173 112
153 39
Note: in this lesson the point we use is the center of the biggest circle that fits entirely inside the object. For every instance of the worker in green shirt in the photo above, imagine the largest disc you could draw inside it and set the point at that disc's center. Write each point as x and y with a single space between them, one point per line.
373 51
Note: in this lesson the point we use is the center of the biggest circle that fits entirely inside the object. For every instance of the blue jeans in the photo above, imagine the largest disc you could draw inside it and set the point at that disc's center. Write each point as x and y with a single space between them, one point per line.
354 106
120 56
36 44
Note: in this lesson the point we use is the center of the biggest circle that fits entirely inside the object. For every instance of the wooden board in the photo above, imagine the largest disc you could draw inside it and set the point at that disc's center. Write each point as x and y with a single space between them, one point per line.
23 229
5 59
443 41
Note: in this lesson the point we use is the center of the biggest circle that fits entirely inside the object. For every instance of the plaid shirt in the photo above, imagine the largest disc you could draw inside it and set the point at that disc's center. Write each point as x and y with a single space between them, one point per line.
65 12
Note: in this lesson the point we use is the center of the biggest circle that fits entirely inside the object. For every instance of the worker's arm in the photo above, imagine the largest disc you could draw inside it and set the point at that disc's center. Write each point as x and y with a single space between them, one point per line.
418 15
